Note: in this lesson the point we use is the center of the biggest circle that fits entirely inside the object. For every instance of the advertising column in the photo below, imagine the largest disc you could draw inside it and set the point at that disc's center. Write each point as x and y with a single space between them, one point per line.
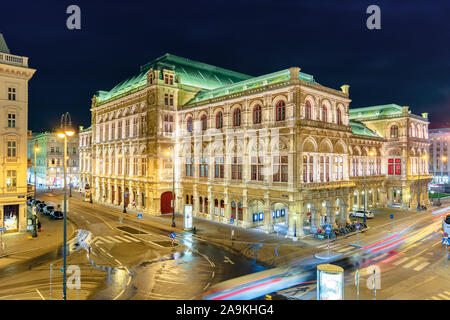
330 282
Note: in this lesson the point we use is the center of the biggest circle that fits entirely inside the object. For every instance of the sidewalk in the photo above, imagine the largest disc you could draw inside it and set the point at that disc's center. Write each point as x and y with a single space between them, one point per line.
23 243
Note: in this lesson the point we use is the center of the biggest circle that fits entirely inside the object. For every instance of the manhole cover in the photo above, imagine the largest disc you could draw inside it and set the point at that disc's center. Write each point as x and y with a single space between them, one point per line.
131 230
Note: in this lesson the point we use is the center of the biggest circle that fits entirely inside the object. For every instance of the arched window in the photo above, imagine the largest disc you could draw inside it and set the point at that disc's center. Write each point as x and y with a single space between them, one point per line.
339 116
281 110
233 210
257 114
189 124
204 122
308 110
237 117
219 120
200 202
394 132
206 205
324 113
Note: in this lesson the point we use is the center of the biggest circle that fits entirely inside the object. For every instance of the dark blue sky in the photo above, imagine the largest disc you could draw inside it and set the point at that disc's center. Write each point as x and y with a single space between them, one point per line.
406 62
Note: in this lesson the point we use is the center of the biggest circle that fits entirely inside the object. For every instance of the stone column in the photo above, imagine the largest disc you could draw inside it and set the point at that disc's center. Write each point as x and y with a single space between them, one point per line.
268 220
211 203
247 221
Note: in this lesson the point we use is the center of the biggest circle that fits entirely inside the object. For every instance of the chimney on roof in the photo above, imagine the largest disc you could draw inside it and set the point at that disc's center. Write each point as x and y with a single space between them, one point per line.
345 88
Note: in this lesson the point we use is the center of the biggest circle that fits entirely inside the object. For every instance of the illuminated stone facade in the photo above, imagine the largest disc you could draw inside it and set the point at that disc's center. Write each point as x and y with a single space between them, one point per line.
14 77
276 150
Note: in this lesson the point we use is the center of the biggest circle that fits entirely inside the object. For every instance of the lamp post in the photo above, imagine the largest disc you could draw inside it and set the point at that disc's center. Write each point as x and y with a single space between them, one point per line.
123 191
65 131
171 152
443 159
371 154
36 149
419 208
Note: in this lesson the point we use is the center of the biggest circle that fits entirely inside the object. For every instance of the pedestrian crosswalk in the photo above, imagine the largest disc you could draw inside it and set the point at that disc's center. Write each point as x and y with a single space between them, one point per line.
409 263
116 239
441 296
337 247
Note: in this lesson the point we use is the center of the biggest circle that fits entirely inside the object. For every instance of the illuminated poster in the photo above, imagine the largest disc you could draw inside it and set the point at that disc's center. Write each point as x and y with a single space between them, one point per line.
188 217
330 279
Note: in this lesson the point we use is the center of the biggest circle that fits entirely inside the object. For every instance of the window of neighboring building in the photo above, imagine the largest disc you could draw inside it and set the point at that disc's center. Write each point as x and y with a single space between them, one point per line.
168 123
219 168
127 128
394 166
119 130
206 205
280 110
308 110
338 168
257 169
305 169
233 209
12 149
11 178
311 169
339 116
219 120
113 130
240 216
144 167
394 132
12 94
171 79
11 120
236 168
257 114
135 126
189 124
135 167
204 121
171 100
166 99
237 117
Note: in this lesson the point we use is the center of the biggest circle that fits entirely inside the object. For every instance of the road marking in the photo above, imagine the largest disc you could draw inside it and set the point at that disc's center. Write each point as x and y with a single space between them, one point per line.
114 239
40 294
123 239
439 242
411 263
131 238
396 263
419 253
421 266
118 261
206 286
103 240
119 294
109 254
227 260
345 249
129 280
102 249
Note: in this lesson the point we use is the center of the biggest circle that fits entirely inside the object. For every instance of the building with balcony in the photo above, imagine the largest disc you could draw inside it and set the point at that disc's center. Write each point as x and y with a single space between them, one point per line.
14 77
278 150
49 160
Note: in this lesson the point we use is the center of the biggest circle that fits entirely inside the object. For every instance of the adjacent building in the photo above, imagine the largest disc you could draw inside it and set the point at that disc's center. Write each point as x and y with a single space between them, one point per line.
14 77
277 150
439 158
49 160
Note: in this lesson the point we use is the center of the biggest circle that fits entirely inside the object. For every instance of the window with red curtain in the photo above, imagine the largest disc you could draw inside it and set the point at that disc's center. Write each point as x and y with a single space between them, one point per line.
324 113
257 114
204 122
280 110
308 110
394 132
398 166
189 124
237 117
390 166
219 120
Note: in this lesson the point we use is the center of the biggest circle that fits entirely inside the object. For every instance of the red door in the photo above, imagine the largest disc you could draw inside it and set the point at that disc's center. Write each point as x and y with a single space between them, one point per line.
166 202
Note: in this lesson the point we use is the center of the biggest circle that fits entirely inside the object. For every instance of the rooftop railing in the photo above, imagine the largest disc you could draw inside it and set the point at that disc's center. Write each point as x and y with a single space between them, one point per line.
13 60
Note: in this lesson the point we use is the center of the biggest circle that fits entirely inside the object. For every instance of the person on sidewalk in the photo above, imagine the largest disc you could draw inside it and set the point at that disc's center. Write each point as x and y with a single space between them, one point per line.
39 225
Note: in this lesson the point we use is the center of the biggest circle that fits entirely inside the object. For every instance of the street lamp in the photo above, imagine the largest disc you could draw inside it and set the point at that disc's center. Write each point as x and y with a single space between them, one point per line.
36 149
419 208
170 152
371 154
443 159
65 131
123 191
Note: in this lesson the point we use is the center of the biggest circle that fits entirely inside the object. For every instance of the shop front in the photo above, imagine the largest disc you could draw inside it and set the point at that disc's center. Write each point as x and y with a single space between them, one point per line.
11 217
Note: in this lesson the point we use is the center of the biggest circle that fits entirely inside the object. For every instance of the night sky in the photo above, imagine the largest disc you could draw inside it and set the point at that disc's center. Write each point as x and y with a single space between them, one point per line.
407 62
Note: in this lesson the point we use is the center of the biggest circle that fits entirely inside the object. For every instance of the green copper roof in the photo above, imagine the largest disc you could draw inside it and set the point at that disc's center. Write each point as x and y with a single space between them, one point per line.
252 83
3 46
193 73
382 110
361 129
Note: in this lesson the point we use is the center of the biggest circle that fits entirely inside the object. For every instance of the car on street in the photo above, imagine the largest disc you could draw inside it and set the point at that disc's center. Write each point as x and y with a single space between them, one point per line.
446 224
40 207
56 215
48 210
360 214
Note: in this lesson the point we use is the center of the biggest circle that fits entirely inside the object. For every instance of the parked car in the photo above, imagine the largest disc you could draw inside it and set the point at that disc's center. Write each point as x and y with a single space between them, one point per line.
48 210
40 207
360 214
56 215
446 224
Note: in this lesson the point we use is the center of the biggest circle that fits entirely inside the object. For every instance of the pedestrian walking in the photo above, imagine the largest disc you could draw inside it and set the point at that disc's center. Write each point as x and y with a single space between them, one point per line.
39 225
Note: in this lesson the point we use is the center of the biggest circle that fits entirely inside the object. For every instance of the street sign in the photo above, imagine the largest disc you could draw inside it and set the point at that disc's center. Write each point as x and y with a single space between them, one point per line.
445 241
445 235
139 216
327 228
172 235
3 229
392 217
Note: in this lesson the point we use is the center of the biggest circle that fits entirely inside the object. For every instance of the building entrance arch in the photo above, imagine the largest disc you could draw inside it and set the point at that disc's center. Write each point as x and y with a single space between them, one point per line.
166 202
